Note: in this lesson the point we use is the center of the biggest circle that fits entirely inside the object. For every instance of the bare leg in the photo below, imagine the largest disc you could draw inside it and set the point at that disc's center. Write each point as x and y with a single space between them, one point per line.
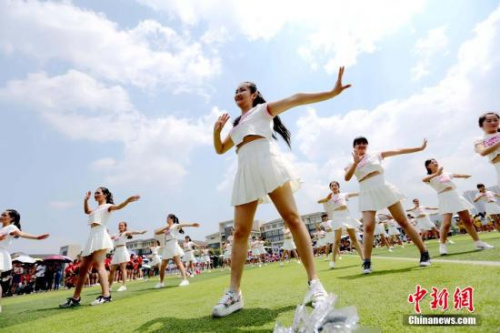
99 257
123 268
336 245
284 201
354 242
111 276
180 266
243 220
369 228
82 276
162 269
445 228
465 216
399 215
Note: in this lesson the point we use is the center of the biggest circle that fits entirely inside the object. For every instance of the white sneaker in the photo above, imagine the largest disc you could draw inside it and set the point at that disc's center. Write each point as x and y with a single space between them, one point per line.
442 249
391 249
160 285
231 302
184 283
316 293
281 264
122 288
331 264
101 300
260 265
450 241
480 245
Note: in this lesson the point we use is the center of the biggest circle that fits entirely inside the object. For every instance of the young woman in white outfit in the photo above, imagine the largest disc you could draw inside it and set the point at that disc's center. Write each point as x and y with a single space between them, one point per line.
335 205
226 255
376 194
98 244
188 257
255 248
171 249
205 259
489 144
320 236
121 256
424 223
155 258
491 204
11 228
288 247
450 202
394 232
262 251
380 231
264 175
328 236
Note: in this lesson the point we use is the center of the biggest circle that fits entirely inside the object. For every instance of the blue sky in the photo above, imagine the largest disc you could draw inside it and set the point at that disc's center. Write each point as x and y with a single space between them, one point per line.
124 94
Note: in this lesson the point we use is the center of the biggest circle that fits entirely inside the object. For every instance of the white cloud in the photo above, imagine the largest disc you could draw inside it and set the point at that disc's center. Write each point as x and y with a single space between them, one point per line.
446 114
149 55
155 149
434 43
327 33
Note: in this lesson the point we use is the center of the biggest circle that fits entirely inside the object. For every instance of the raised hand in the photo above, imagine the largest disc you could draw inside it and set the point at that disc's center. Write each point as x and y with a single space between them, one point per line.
196 225
133 198
440 171
43 236
87 196
339 88
424 145
221 122
356 157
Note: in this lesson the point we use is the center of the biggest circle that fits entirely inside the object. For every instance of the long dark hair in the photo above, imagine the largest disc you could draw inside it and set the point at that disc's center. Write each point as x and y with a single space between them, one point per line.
427 162
482 118
108 194
15 218
278 125
358 140
126 228
175 219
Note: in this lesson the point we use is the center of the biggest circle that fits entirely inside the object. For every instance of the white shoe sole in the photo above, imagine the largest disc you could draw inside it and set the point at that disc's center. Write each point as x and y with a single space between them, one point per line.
227 311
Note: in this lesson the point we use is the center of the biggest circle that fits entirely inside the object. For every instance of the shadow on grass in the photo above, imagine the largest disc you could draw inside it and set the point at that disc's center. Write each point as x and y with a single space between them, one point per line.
340 268
377 273
238 322
455 254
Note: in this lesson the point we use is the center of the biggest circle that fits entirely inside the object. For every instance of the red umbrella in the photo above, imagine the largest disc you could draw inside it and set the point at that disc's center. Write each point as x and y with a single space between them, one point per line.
57 257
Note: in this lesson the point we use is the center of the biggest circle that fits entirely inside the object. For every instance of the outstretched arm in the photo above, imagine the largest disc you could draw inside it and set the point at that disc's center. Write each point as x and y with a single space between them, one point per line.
433 175
22 234
403 151
351 195
125 203
349 172
325 200
275 108
160 231
130 233
457 175
187 225
221 146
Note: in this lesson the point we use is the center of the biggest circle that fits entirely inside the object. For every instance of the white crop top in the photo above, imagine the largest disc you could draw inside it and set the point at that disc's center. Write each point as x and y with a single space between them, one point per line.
100 215
327 225
155 250
287 234
488 197
489 140
419 211
371 162
321 234
188 246
172 233
256 121
120 239
7 231
442 182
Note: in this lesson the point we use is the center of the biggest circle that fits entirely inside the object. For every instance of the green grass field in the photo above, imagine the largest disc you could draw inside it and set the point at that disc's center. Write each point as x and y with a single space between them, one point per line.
271 294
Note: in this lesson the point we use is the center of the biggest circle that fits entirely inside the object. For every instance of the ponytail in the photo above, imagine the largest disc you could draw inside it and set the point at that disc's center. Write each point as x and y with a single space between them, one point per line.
15 218
175 219
108 194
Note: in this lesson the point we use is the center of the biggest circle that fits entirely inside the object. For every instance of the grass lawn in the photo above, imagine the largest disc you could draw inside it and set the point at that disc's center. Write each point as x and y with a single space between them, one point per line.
271 293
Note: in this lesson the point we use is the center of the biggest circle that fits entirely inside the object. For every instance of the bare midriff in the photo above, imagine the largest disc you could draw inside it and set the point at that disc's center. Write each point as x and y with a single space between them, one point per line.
370 175
421 216
448 189
247 139
340 208
94 225
119 245
496 159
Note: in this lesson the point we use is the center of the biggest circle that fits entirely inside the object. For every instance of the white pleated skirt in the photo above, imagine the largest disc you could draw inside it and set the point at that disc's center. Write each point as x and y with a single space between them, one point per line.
261 170
155 260
99 239
393 231
425 223
289 245
330 236
379 230
376 194
256 252
227 254
451 202
205 259
497 168
492 208
320 242
189 256
343 219
5 260
171 249
121 255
